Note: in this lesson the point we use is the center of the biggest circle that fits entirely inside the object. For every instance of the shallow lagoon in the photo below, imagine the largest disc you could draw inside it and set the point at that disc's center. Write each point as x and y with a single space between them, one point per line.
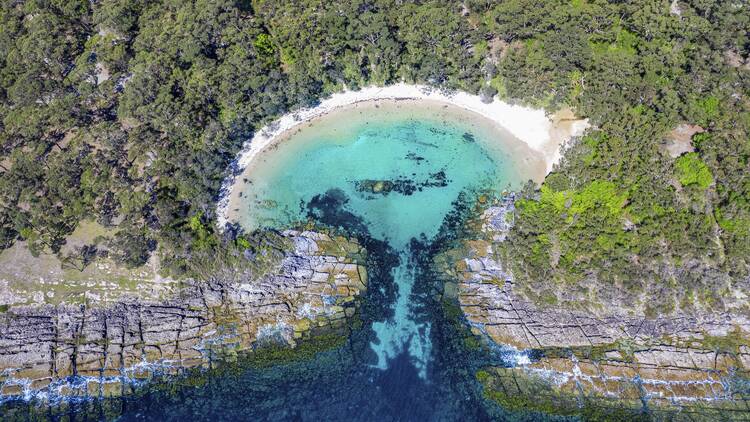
391 172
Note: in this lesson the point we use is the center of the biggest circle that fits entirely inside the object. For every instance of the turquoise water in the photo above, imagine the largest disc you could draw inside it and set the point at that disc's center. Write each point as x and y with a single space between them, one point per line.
399 168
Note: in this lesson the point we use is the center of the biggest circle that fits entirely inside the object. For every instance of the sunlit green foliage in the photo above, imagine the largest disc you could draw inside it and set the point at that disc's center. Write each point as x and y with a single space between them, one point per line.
263 44
692 171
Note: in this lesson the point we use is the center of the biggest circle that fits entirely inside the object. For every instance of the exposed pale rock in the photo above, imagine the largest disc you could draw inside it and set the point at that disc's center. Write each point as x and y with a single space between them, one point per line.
102 73
42 348
674 8
679 140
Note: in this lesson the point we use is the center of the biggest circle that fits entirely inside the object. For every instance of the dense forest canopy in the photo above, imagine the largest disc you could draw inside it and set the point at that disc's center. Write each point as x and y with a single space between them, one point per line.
129 112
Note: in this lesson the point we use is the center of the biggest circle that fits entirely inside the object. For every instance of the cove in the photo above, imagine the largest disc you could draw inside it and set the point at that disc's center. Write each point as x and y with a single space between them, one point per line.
398 166
392 173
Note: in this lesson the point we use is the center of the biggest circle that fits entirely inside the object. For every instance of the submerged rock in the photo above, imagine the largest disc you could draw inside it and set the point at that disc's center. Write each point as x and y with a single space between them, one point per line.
51 352
402 186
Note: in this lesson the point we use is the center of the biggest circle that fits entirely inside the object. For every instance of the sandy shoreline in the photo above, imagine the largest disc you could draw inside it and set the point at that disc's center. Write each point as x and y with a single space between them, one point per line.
543 134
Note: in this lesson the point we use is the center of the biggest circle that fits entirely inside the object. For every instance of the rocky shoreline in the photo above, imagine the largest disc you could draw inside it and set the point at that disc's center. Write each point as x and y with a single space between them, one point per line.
52 352
571 358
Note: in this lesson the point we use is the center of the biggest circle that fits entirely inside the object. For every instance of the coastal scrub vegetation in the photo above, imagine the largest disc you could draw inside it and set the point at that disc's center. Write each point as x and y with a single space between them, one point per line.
619 213
129 112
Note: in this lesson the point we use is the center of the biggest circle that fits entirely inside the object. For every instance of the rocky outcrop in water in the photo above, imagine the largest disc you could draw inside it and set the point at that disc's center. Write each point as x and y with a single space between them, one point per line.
89 350
567 359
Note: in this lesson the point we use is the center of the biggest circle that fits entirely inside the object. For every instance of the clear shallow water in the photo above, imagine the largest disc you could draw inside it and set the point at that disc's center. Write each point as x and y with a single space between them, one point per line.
393 175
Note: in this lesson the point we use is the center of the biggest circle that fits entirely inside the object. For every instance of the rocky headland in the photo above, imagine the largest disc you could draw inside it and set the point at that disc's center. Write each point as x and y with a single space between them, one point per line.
568 359
106 348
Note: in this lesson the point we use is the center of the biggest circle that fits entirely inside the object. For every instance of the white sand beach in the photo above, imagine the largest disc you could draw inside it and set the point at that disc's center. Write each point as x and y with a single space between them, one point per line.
542 133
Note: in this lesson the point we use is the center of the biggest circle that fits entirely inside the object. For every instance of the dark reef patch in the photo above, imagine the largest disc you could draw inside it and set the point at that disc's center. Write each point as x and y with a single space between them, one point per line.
401 186
330 211
414 157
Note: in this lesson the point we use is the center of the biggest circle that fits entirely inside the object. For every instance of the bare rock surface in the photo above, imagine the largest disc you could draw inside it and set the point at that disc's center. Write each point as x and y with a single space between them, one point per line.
679 140
90 349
